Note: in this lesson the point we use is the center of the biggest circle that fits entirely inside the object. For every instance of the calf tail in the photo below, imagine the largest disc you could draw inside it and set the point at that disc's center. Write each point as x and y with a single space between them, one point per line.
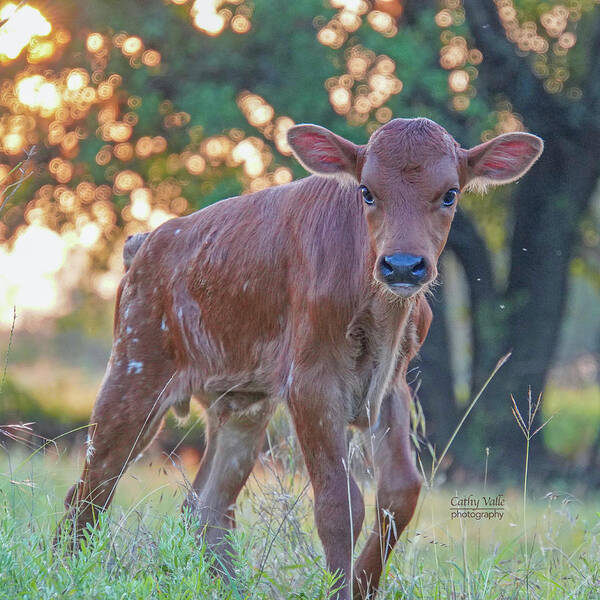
132 245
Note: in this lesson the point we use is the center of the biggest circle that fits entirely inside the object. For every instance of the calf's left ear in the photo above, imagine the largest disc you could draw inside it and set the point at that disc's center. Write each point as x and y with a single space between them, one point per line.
501 160
322 152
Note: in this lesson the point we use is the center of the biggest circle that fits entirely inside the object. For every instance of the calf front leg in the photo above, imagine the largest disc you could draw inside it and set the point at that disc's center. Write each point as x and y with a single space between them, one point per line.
398 487
339 509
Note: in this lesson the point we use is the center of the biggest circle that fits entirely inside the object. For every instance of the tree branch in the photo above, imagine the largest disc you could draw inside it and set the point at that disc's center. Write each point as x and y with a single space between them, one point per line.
504 72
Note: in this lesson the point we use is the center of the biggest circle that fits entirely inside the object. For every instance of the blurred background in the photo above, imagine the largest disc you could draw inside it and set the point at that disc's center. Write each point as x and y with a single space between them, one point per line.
118 115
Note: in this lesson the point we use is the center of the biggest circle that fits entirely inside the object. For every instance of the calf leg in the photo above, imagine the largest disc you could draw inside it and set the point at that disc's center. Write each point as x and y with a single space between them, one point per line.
398 487
339 510
233 445
126 417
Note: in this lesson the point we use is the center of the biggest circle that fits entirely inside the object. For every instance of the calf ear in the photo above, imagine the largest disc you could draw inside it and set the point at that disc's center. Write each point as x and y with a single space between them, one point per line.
503 159
322 152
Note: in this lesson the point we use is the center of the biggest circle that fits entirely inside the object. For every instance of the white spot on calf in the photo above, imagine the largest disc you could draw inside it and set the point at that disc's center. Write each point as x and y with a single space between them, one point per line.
163 324
180 313
135 367
89 453
290 377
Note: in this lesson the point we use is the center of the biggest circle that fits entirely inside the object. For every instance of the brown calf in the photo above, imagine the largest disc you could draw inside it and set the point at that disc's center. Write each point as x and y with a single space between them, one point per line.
311 293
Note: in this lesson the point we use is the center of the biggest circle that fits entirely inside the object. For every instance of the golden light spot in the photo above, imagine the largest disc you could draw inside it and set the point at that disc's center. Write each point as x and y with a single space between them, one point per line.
69 142
261 116
362 105
77 79
132 45
64 172
13 143
103 156
567 40
126 181
458 80
454 54
159 144
328 37
143 147
282 124
151 58
195 164
207 17
357 6
140 204
4 171
460 103
27 273
106 284
40 51
63 36
22 24
475 56
157 217
120 132
350 21
240 24
383 23
105 91
357 66
27 90
282 175
94 42
340 99
179 205
49 97
123 151
248 153
89 234
383 114
444 18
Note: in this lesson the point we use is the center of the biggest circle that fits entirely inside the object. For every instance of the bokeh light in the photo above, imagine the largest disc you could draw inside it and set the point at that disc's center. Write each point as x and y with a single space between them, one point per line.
22 24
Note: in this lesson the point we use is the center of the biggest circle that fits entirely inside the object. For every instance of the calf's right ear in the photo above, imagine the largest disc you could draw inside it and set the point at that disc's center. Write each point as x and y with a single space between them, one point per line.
322 152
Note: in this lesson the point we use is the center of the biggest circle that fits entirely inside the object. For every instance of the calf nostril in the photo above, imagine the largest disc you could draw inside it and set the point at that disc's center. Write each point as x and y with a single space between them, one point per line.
386 268
419 268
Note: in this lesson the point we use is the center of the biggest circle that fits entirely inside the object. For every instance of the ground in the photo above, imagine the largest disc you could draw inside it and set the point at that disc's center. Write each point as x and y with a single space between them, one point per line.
143 548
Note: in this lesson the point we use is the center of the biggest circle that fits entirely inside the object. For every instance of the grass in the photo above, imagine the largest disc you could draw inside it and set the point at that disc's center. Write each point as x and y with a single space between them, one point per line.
143 549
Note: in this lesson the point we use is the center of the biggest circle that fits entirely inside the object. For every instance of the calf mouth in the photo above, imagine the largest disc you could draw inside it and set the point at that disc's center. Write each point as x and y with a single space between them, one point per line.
404 290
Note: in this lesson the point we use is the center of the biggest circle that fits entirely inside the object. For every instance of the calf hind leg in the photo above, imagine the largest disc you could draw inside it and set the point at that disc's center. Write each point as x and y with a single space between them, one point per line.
126 417
233 444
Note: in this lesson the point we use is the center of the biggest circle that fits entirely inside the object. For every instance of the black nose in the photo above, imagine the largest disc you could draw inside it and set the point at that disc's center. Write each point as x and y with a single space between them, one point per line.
403 268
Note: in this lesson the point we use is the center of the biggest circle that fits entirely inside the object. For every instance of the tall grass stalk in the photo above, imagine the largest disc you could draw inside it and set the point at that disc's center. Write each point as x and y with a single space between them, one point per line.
436 462
526 426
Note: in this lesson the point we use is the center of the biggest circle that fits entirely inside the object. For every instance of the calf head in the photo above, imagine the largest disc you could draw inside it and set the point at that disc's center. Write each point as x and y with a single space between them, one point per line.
410 175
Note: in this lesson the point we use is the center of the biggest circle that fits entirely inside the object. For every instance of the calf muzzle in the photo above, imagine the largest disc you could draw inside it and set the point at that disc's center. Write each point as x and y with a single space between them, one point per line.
403 270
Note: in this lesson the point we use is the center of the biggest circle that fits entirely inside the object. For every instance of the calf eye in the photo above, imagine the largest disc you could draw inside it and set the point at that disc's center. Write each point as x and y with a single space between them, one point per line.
366 194
450 197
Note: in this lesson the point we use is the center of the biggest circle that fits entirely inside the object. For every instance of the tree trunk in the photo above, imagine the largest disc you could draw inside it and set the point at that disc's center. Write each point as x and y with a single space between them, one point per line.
548 206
